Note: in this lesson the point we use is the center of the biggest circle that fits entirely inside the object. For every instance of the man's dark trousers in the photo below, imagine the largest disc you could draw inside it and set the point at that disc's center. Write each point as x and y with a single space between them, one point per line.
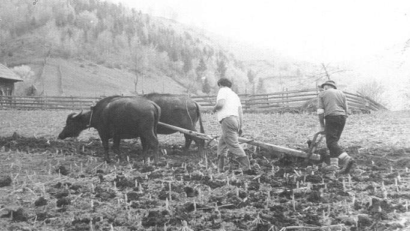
334 126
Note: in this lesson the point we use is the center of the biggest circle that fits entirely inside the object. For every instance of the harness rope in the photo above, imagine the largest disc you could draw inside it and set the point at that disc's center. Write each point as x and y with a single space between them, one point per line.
187 111
91 116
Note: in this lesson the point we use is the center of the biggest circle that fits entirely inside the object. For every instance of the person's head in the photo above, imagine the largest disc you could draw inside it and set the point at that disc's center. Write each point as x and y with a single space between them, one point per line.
329 84
224 82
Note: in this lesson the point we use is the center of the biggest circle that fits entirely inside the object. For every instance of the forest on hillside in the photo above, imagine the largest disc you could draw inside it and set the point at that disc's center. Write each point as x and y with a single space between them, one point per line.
117 37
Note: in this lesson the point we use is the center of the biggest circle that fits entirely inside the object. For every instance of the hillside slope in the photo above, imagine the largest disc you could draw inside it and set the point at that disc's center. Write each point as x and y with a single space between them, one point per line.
84 78
123 40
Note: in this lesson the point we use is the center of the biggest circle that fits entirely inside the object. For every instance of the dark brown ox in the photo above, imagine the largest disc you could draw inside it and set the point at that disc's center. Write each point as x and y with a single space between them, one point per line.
118 118
180 111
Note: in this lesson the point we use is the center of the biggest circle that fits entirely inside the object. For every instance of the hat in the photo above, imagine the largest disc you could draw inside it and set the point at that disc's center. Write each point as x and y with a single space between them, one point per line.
330 83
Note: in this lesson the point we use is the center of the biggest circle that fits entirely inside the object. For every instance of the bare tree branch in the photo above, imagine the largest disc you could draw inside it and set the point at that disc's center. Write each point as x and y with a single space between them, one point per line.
327 74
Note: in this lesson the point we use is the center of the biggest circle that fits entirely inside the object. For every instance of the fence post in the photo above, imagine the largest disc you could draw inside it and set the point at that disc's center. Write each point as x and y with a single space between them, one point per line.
267 100
10 99
246 102
282 97
41 102
367 105
251 99
72 103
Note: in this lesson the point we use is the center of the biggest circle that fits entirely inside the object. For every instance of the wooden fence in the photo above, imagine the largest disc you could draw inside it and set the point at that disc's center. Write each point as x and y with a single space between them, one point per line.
286 101
47 102
292 101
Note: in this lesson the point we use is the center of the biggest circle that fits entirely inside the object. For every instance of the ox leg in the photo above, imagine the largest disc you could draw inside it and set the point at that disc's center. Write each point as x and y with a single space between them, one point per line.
151 144
104 141
155 147
201 148
144 148
188 141
200 143
116 147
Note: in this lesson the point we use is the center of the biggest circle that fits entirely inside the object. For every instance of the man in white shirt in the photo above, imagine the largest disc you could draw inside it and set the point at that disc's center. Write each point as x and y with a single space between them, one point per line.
228 109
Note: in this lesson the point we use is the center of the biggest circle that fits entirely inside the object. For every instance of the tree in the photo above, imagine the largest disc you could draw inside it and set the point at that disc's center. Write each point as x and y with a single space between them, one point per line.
325 71
221 68
104 42
192 86
407 96
86 20
200 69
64 14
251 76
187 64
206 88
373 90
23 71
235 87
261 87
139 61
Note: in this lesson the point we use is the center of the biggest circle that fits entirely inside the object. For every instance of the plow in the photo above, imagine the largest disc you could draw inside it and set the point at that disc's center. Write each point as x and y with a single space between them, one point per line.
309 155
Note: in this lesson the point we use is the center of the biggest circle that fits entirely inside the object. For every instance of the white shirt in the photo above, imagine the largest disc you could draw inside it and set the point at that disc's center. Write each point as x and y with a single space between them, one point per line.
232 103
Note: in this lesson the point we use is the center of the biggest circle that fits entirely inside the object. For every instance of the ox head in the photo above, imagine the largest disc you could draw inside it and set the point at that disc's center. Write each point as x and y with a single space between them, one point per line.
75 124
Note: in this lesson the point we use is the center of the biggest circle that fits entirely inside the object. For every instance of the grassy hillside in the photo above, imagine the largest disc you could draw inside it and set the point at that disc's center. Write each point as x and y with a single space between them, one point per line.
123 42
109 46
85 78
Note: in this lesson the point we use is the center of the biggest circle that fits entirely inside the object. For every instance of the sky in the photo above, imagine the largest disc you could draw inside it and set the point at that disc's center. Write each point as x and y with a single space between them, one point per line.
367 34
313 30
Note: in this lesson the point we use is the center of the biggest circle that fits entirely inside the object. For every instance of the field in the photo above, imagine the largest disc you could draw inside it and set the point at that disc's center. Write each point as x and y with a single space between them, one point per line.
49 184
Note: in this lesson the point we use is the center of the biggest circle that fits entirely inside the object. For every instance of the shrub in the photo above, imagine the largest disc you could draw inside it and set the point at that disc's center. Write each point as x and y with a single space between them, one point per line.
23 71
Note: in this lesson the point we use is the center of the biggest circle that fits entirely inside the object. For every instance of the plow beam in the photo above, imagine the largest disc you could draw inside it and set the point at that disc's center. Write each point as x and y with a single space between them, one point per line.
276 148
188 132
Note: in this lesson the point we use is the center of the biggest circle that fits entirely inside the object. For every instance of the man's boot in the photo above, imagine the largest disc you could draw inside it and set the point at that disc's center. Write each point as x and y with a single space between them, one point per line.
347 162
332 167
245 165
244 162
221 163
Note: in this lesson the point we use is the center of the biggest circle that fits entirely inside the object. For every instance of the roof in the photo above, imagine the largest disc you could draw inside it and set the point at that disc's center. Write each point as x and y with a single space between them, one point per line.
6 73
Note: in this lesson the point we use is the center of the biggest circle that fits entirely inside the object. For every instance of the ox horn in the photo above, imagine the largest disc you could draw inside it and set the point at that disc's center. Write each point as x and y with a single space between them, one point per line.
76 115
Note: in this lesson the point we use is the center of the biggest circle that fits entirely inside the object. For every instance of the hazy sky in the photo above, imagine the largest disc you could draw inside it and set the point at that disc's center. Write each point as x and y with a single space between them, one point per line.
317 30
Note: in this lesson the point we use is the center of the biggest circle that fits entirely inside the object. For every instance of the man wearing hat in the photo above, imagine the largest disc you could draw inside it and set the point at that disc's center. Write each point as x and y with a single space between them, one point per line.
332 111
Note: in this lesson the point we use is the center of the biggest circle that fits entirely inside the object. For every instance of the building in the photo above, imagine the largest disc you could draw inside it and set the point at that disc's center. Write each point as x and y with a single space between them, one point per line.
7 80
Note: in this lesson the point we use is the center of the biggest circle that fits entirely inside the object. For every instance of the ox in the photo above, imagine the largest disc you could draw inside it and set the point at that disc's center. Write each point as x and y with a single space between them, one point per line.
180 111
118 118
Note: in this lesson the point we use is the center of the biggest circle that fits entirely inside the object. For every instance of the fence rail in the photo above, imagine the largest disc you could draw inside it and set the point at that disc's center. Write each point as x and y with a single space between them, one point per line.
303 100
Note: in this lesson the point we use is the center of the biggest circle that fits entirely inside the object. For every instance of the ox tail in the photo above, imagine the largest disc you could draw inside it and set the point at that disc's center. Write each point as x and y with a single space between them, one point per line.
198 112
157 115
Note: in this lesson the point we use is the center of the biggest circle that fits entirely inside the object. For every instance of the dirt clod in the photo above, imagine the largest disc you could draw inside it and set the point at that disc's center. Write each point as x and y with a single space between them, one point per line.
122 182
155 218
5 181
40 201
191 192
20 215
62 170
63 201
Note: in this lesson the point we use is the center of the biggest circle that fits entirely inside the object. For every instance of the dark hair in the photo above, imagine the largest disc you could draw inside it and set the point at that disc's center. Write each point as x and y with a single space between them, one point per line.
224 82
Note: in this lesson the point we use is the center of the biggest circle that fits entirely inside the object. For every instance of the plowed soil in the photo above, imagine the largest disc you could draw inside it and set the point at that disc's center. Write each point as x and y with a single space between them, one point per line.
50 184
